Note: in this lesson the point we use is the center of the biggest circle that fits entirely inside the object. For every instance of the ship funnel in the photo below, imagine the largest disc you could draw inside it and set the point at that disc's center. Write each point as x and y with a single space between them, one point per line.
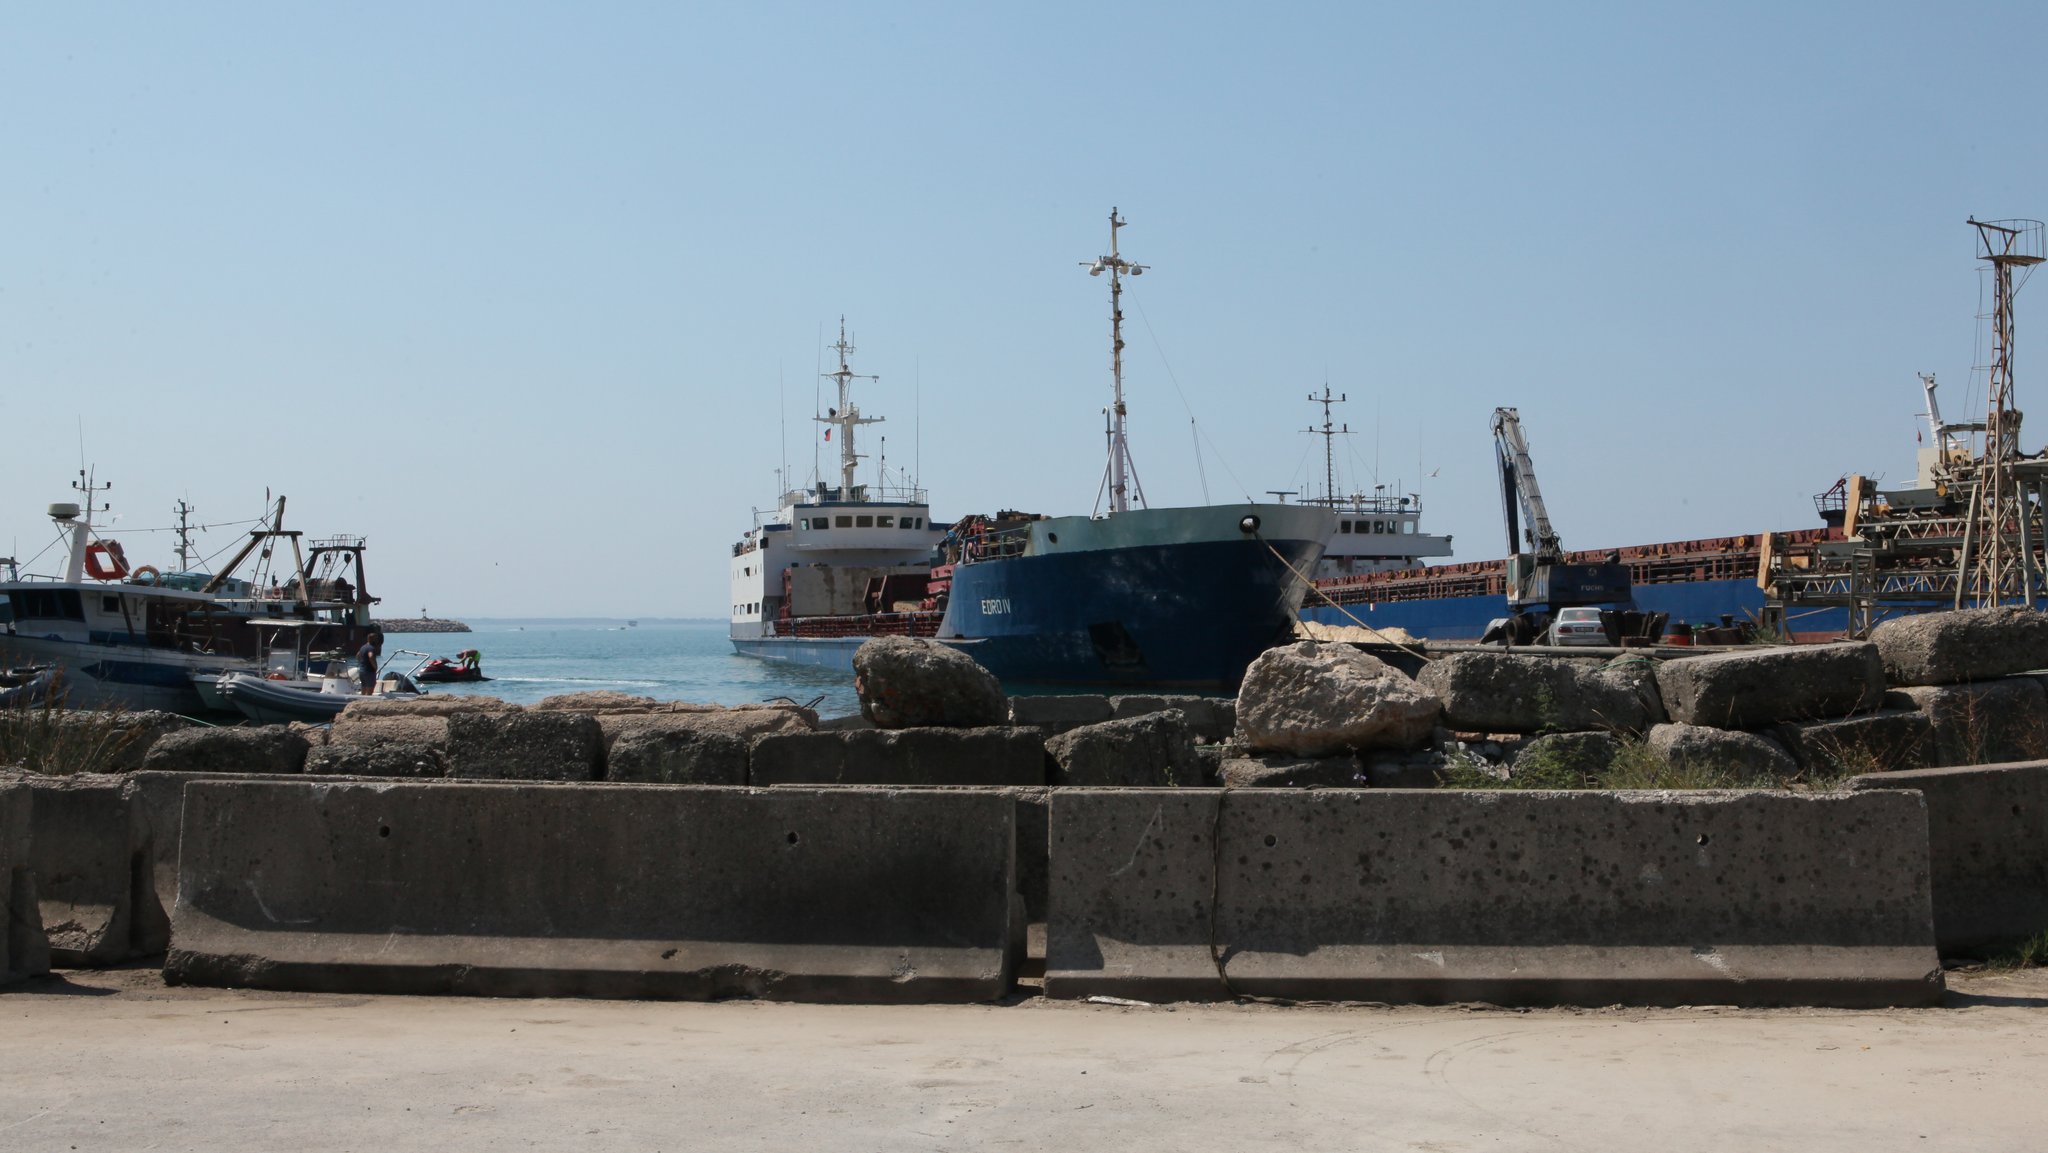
64 511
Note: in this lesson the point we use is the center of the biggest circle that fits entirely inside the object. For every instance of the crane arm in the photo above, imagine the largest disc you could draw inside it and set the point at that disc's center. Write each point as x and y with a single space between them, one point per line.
1519 488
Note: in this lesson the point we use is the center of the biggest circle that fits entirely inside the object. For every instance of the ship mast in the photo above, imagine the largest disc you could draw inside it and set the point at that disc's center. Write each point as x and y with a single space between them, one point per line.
847 416
81 531
184 549
1122 472
1329 433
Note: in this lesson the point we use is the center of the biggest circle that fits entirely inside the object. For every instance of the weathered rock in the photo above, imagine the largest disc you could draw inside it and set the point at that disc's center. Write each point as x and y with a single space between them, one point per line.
1726 752
1879 742
906 682
845 724
316 735
1988 723
1151 751
1057 714
525 746
352 729
1510 692
1210 718
1751 689
998 755
243 749
427 705
741 724
597 701
1313 699
410 759
677 756
1963 645
1567 760
1280 772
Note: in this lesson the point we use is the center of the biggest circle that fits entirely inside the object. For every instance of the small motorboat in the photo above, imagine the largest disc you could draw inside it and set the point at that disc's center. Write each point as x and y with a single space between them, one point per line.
467 666
276 701
34 685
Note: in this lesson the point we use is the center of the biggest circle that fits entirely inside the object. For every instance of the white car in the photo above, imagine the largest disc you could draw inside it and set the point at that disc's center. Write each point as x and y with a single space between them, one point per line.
1577 627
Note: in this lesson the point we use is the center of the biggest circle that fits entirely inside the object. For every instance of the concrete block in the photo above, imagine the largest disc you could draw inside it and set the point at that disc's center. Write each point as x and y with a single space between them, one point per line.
156 802
351 728
598 890
1879 742
24 950
677 756
933 756
1211 719
262 749
744 723
1588 897
1963 645
1989 723
1151 749
80 850
525 746
1987 829
1034 838
1752 689
1056 714
1511 692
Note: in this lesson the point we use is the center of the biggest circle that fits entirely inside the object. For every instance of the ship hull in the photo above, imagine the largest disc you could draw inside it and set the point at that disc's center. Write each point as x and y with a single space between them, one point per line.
1465 618
103 676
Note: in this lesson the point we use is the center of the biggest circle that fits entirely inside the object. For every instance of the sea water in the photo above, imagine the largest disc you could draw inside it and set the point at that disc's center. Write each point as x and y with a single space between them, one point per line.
669 660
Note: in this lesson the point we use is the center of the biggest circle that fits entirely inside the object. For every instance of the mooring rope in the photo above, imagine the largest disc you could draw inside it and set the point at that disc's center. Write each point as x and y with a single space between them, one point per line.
1299 575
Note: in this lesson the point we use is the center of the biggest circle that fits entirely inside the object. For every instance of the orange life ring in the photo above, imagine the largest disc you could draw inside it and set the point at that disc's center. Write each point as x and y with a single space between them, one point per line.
148 570
104 560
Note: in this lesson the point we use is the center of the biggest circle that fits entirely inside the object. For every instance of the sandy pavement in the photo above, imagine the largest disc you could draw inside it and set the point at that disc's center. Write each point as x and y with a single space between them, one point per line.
117 1061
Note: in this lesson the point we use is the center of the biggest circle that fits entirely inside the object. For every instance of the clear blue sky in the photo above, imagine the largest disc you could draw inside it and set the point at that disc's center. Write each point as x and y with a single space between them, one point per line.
524 292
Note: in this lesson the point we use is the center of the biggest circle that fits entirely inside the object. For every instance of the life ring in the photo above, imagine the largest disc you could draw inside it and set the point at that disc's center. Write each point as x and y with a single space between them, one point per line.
104 560
146 571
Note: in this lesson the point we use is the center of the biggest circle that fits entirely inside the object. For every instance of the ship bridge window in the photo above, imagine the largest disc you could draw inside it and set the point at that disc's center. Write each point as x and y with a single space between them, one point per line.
47 604
842 522
864 522
885 522
110 604
1343 526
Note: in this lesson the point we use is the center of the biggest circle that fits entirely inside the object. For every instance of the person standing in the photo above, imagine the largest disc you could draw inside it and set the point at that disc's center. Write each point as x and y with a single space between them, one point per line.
366 661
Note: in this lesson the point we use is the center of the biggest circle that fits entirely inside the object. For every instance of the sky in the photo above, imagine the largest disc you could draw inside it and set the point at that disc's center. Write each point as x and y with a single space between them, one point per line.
535 296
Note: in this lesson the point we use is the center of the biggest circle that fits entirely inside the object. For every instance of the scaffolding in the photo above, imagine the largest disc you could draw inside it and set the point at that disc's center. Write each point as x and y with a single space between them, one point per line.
1969 534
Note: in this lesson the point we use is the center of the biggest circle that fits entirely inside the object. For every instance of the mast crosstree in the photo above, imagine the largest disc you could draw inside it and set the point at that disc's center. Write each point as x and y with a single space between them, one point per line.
1122 473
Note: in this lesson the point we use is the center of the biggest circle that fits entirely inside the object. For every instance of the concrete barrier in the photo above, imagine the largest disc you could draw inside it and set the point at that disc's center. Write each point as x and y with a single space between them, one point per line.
602 890
24 951
994 756
1593 898
1987 827
80 850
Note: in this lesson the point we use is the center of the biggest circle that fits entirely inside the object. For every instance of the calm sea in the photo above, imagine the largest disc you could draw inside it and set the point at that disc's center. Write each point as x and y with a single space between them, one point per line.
667 660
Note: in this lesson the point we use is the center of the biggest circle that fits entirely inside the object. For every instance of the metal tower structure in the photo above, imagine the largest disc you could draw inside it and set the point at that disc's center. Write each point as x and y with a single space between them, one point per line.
846 416
1996 540
1122 474
1329 433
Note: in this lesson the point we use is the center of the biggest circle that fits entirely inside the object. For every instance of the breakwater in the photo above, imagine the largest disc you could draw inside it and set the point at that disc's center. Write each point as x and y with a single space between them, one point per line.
420 624
1296 842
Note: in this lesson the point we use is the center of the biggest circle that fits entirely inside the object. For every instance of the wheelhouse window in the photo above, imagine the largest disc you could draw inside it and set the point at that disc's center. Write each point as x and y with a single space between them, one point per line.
47 604
842 522
110 604
1343 526
864 522
885 522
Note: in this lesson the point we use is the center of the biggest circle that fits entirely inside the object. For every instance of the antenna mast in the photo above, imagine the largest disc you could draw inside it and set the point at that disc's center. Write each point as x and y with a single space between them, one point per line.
1329 435
847 416
184 549
2001 568
1123 472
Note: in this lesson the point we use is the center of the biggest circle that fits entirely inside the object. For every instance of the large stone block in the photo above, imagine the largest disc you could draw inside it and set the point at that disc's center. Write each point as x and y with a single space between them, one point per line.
1879 742
1152 749
1736 756
262 749
525 746
1210 719
743 724
426 705
909 682
1964 645
988 756
81 851
406 759
677 756
1987 723
1752 689
1516 693
1056 714
351 728
1312 699
1987 829
598 890
1511 897
24 950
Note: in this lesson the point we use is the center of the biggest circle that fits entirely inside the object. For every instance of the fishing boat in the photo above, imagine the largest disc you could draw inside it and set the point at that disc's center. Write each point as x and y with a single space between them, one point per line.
134 637
1125 597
